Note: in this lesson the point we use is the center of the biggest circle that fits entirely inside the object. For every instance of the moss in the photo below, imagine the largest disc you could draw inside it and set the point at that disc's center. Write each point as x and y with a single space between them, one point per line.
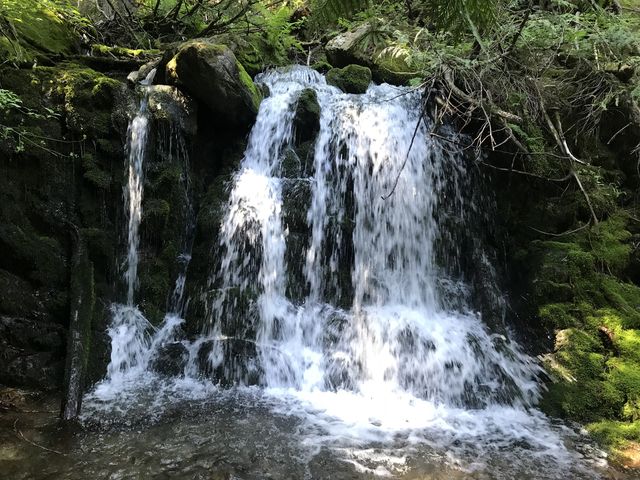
41 26
157 209
87 98
94 174
350 79
307 118
123 52
609 243
322 66
213 206
256 96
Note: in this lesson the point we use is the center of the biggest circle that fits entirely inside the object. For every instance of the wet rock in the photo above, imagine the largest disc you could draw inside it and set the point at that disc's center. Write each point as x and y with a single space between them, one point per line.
296 199
31 353
32 335
139 75
239 365
295 257
212 75
170 360
350 79
170 106
345 49
18 297
306 123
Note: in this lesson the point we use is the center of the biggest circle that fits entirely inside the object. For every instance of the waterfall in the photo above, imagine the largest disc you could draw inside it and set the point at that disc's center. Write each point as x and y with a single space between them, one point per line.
375 186
342 292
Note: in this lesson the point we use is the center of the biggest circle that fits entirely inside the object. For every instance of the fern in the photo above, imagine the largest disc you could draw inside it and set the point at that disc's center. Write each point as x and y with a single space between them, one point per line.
329 12
459 15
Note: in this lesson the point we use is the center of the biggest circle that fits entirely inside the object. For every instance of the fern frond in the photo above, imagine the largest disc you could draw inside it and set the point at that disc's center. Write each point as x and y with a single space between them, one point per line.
458 15
328 12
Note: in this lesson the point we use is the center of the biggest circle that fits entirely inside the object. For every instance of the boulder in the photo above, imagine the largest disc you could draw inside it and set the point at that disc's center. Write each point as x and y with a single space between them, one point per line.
31 353
350 79
213 76
345 49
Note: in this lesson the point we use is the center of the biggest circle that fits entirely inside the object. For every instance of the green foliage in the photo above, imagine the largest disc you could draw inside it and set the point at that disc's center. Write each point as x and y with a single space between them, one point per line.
329 12
10 102
460 15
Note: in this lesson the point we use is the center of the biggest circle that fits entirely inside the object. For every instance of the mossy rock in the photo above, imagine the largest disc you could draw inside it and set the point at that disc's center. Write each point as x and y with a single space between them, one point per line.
258 52
307 119
212 75
123 52
346 48
41 27
350 79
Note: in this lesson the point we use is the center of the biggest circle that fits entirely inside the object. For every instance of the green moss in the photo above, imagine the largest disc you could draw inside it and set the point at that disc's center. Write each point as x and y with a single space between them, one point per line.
350 79
41 26
123 52
157 209
94 174
322 66
256 96
87 98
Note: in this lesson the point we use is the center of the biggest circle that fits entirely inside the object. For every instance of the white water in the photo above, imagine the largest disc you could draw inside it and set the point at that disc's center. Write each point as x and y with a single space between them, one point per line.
401 365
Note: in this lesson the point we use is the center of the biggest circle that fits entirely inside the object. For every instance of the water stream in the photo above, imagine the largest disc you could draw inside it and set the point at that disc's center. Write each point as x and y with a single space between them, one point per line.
379 364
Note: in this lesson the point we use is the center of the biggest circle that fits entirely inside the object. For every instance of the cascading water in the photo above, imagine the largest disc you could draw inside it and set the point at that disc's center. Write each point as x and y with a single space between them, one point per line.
383 350
374 176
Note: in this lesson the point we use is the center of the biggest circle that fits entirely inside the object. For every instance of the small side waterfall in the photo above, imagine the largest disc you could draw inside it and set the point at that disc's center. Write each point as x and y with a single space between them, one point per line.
137 134
134 341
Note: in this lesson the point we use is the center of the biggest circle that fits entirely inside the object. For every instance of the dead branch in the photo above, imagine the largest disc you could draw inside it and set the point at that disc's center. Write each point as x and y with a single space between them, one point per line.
447 75
21 436
563 234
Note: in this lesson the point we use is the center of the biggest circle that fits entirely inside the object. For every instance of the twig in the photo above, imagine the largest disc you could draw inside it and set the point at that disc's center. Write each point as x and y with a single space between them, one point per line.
467 98
521 172
406 158
563 234
21 436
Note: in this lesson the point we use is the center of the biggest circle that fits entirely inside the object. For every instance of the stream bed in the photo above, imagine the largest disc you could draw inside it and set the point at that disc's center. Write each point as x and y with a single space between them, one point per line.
250 434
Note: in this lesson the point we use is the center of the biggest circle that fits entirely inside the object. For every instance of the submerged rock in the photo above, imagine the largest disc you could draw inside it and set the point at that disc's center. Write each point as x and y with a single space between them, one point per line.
212 75
350 79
